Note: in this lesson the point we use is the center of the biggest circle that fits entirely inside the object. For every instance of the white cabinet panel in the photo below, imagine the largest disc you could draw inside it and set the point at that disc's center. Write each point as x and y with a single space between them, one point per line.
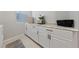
58 43
61 39
31 30
43 37
28 29
52 37
63 34
34 33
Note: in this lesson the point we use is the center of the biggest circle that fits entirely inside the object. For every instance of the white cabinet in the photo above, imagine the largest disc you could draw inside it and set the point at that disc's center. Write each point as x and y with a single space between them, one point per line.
34 33
43 37
61 39
53 37
38 34
58 43
63 34
31 31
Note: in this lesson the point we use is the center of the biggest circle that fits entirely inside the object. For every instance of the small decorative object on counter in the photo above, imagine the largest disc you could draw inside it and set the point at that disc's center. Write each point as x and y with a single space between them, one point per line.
41 20
30 20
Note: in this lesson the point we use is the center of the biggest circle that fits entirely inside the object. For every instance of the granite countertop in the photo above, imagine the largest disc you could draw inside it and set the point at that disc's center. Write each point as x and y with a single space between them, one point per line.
54 26
59 27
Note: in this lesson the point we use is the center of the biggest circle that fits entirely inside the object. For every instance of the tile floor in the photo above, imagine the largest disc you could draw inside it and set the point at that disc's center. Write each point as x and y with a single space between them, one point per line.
28 43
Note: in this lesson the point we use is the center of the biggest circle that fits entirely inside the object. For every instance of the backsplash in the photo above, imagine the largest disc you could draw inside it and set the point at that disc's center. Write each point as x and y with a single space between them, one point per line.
51 16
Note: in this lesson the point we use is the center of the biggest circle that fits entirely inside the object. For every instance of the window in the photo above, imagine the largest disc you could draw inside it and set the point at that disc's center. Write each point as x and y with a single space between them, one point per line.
21 16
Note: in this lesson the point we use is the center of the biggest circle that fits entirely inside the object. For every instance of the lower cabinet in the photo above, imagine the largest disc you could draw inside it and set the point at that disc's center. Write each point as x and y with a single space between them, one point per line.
38 34
32 31
43 37
58 43
35 33
29 29
61 39
55 38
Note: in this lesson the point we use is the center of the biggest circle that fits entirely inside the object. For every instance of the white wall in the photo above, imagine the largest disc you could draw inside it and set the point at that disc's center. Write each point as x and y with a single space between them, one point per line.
60 15
51 16
75 15
11 26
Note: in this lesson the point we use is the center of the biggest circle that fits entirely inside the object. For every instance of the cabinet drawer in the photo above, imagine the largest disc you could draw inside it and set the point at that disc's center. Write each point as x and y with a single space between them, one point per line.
58 43
63 34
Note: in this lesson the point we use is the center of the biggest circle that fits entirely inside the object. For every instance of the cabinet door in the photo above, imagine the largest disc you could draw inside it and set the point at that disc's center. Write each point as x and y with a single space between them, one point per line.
28 29
35 33
61 39
32 31
58 43
43 37
63 34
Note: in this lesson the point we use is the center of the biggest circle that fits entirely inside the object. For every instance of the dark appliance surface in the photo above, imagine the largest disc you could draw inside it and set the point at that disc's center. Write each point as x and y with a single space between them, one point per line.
65 23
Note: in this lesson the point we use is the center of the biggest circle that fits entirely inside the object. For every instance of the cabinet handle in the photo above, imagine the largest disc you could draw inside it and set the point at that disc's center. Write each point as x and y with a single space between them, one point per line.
49 36
49 30
37 32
